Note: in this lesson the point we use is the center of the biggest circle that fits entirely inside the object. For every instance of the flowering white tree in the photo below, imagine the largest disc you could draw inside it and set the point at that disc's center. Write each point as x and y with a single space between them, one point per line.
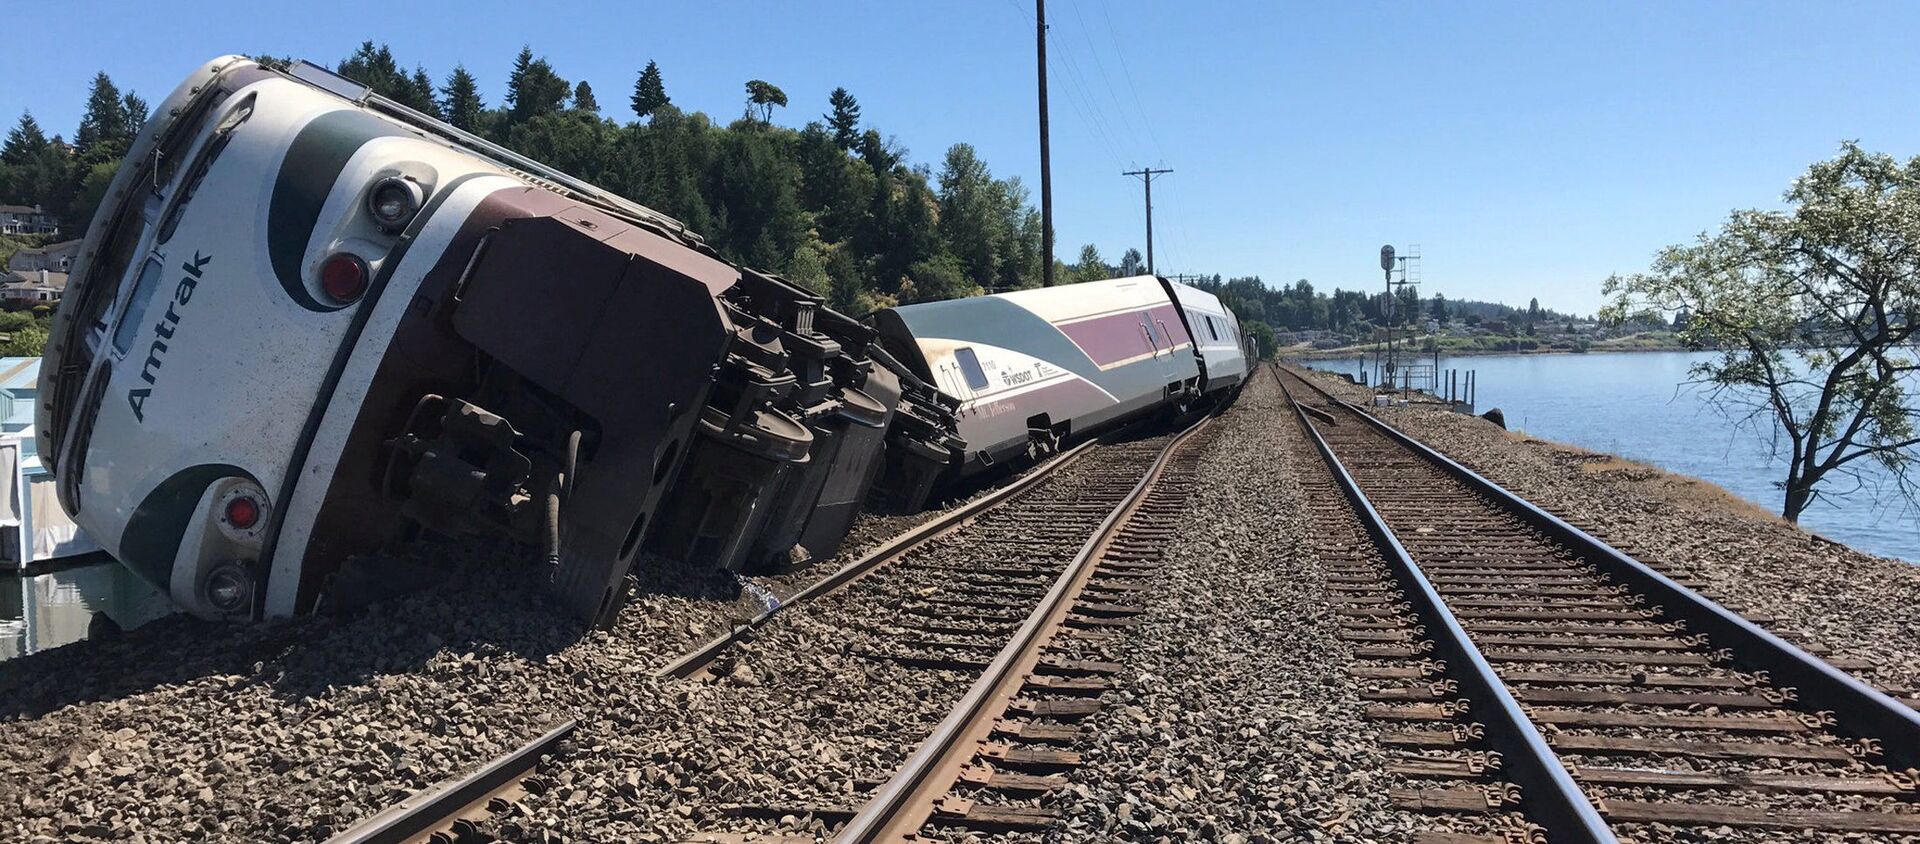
1812 313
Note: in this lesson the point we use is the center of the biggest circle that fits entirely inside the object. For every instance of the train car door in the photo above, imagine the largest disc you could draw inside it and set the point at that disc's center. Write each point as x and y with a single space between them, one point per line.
1162 343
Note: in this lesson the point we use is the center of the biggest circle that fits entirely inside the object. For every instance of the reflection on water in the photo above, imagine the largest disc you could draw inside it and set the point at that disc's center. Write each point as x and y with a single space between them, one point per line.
40 611
1633 404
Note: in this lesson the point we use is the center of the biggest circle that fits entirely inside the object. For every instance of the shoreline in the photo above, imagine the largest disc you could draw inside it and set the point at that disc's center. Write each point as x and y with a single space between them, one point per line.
1350 352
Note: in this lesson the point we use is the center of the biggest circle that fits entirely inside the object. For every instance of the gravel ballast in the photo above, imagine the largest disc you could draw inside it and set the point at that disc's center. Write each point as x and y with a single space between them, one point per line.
292 730
1235 719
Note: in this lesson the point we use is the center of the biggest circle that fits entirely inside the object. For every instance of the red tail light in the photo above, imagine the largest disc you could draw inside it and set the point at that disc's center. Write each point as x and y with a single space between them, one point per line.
243 512
343 277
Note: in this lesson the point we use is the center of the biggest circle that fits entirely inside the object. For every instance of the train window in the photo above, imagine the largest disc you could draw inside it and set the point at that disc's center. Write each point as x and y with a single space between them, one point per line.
970 367
136 306
1213 329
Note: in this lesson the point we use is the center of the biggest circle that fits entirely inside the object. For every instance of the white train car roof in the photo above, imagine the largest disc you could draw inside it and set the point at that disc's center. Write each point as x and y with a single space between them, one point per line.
1197 299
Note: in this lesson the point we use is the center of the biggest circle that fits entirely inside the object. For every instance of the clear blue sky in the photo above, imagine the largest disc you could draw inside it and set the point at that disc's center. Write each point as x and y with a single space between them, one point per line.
1529 148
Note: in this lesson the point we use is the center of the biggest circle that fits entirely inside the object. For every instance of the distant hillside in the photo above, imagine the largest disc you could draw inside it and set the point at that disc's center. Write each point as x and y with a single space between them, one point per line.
1300 307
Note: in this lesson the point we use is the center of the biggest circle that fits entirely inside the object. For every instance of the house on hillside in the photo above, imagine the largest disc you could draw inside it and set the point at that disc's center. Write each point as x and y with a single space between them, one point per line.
54 257
22 289
19 219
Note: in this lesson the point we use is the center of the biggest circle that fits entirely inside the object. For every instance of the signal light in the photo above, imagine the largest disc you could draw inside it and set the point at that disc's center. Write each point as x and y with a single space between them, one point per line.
343 277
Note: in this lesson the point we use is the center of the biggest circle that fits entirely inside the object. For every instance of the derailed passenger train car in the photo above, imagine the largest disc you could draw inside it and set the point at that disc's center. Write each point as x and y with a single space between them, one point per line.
307 322
1033 368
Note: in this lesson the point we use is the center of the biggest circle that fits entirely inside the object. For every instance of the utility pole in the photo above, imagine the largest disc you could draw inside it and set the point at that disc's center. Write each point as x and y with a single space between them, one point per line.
1046 162
1146 175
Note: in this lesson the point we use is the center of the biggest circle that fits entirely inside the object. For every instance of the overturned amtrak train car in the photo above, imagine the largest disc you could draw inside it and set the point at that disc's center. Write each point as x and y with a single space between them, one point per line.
308 323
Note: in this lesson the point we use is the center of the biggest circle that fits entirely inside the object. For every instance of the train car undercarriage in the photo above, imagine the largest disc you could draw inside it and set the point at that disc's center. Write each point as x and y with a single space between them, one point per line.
604 387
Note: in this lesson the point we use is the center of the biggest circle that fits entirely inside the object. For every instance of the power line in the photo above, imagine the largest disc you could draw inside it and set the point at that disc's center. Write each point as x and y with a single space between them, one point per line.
1105 81
1127 73
1092 114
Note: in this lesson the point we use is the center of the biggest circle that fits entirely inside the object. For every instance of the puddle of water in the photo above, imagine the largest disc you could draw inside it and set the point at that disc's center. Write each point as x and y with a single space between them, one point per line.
54 608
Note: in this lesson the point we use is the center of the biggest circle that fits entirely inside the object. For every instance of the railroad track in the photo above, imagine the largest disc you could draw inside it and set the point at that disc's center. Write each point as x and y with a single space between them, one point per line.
1537 684
990 763
450 812
987 590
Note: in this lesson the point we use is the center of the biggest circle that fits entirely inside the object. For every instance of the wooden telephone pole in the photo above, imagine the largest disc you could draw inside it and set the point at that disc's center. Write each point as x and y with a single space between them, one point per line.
1146 175
1046 163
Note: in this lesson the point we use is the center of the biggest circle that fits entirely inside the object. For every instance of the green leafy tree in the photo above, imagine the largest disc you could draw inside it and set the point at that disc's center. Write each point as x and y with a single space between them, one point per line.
583 98
970 214
649 92
1263 337
1091 266
461 101
1812 312
762 98
844 119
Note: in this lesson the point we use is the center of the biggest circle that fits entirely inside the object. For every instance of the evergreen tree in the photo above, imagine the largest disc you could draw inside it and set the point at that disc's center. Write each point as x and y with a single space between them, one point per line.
32 171
1132 264
533 89
1438 309
375 68
103 128
583 98
649 92
134 109
419 94
25 141
844 119
461 100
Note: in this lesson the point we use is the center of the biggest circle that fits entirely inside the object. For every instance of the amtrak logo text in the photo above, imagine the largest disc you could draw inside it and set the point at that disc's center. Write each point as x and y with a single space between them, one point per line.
163 331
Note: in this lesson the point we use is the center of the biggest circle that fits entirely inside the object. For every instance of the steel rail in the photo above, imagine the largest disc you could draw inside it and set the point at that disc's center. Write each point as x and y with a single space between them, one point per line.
693 661
1548 794
903 805
419 816
1860 710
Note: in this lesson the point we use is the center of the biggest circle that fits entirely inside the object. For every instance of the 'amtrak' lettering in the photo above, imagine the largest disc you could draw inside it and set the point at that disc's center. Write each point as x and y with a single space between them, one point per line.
163 331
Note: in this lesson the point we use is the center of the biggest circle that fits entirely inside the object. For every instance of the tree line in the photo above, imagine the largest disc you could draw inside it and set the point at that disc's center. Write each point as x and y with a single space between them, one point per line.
835 205
68 178
1301 307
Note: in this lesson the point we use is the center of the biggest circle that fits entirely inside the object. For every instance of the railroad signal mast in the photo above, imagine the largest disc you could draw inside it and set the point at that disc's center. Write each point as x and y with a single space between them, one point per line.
1408 267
